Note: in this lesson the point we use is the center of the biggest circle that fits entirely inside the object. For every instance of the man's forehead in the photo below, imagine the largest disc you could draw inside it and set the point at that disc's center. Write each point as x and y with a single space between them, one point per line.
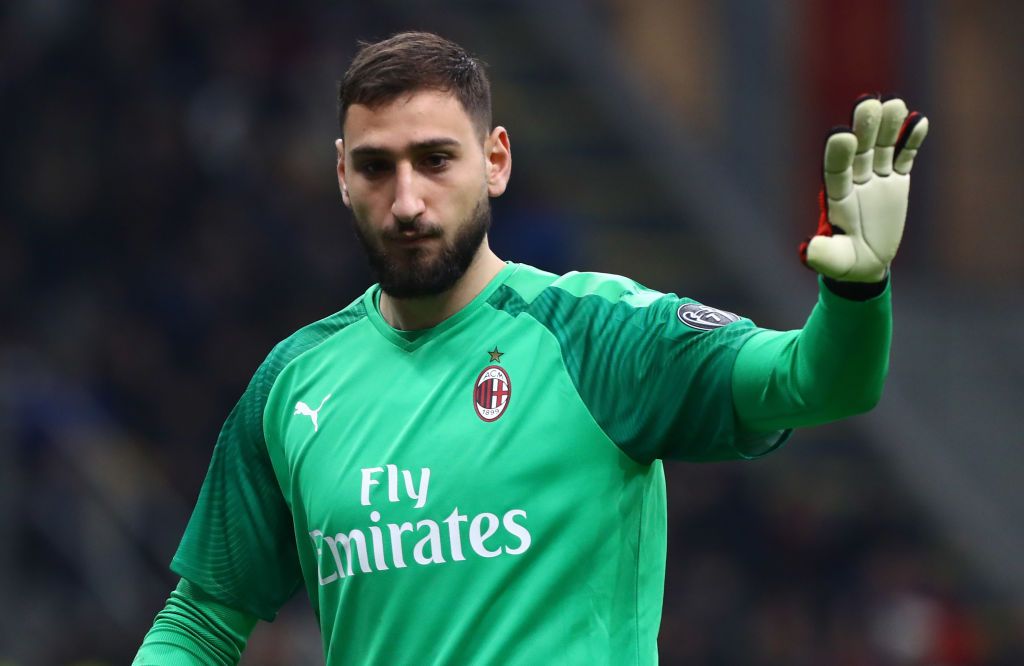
412 118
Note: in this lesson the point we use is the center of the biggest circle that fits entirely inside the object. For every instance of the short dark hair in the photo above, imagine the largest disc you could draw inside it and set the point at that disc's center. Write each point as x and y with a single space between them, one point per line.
407 62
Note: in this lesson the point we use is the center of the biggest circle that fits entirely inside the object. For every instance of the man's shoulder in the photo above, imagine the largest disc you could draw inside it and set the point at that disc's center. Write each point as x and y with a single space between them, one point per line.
530 283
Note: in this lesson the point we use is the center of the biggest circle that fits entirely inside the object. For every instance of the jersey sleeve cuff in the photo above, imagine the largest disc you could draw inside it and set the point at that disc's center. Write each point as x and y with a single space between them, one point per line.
856 291
838 303
218 593
754 445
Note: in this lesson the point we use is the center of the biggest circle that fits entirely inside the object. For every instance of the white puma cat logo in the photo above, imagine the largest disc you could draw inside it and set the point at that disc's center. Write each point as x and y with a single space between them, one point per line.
303 408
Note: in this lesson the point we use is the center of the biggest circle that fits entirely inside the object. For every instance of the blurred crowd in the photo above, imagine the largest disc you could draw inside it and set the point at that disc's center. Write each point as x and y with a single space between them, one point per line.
170 211
814 556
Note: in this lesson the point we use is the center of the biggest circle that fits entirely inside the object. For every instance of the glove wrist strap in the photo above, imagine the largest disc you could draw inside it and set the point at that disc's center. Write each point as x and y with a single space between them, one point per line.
856 291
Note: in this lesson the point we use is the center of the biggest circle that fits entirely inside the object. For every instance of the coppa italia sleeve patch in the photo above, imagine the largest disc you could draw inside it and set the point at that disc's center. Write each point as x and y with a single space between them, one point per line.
704 317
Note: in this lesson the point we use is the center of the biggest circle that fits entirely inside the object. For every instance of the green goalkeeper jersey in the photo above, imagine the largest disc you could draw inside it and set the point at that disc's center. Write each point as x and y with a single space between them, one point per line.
485 491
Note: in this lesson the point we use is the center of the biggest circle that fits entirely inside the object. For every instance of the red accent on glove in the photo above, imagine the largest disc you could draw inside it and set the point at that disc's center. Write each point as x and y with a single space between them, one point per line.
909 123
911 119
825 227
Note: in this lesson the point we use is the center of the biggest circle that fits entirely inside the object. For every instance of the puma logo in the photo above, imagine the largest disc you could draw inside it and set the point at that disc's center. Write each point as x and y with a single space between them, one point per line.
304 409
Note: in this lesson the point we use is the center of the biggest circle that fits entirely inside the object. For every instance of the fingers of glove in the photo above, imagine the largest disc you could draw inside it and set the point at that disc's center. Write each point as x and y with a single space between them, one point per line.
915 129
833 256
838 165
867 116
894 112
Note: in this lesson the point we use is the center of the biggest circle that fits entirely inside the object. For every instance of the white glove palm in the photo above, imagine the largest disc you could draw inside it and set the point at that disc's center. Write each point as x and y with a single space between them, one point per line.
867 184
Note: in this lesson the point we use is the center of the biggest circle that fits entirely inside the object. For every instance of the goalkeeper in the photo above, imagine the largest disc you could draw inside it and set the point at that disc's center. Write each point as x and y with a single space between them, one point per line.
463 466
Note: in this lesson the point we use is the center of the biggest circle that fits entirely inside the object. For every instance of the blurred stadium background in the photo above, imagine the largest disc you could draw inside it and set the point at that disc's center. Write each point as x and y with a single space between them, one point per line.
169 212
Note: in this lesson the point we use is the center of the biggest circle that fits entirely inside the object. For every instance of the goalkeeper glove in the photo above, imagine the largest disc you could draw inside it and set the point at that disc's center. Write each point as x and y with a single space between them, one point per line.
864 200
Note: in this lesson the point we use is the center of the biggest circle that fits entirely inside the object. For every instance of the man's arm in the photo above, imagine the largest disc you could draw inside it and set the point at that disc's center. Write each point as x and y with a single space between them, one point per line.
835 366
194 629
237 559
832 368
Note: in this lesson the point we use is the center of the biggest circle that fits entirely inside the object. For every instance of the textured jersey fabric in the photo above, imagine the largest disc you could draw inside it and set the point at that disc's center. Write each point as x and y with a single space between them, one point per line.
486 490
834 367
194 629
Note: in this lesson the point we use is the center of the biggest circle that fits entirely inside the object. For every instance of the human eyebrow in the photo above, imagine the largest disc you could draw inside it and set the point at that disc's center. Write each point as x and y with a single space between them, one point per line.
370 150
434 144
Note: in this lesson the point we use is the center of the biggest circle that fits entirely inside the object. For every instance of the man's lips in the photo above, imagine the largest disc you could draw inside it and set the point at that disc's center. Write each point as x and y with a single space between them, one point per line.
410 238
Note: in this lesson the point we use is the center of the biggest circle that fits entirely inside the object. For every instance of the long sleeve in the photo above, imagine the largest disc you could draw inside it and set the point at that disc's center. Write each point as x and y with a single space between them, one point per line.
832 368
195 630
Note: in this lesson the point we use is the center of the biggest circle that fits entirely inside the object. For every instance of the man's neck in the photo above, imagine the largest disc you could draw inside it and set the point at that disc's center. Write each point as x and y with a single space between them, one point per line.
413 314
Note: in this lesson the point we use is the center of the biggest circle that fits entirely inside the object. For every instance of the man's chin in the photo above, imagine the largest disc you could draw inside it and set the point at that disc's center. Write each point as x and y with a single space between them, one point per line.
418 278
414 289
429 266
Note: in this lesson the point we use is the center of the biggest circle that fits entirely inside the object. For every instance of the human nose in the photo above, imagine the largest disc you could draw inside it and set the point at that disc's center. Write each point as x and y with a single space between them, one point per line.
408 203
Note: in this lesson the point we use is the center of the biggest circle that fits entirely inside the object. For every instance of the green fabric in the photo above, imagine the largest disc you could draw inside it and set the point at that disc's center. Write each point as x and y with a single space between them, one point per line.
537 536
657 387
194 629
832 368
503 466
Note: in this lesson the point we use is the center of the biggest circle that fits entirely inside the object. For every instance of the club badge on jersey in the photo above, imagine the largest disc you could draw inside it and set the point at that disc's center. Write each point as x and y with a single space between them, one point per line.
492 390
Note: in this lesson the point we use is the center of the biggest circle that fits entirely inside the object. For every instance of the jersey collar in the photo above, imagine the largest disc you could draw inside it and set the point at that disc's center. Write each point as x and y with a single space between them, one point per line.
412 340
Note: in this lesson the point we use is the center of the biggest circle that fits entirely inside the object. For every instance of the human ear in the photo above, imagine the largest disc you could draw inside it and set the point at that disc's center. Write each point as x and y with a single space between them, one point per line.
339 144
498 153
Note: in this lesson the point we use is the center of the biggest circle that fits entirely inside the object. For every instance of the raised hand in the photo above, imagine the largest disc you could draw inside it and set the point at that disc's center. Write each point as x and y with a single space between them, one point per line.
864 200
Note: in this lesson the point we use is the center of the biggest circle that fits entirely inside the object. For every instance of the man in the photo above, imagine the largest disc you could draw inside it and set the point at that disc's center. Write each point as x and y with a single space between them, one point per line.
463 465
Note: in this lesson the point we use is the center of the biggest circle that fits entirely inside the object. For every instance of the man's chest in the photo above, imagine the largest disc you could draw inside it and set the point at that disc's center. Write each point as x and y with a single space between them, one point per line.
485 422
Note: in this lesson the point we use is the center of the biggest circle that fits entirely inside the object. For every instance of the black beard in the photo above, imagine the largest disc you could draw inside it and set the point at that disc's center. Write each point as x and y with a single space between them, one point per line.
417 277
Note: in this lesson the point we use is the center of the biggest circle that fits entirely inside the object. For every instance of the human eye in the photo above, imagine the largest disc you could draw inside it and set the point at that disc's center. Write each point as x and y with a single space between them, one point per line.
373 168
436 161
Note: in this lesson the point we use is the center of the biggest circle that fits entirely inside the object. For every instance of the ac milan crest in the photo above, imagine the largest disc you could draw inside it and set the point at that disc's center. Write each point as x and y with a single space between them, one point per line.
491 393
